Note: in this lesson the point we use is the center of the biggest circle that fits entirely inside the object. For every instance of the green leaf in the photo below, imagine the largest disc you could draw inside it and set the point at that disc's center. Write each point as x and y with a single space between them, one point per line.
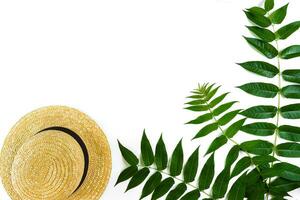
163 188
177 160
269 5
222 108
211 93
193 195
191 167
282 186
290 52
264 34
292 75
260 112
198 108
177 192
128 156
196 102
263 47
238 189
291 91
253 177
207 173
291 133
290 172
161 155
201 119
290 150
257 10
146 149
278 15
241 165
283 170
258 19
291 111
217 100
216 144
287 30
266 90
255 191
234 128
207 130
257 147
221 184
232 155
138 178
260 160
280 197
127 174
151 184
261 68
259 128
225 119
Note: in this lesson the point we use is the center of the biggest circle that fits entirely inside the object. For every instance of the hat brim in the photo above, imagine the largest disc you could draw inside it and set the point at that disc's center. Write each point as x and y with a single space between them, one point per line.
95 141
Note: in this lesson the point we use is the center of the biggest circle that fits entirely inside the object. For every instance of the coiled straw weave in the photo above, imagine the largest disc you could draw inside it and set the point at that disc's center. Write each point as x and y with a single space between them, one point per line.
38 163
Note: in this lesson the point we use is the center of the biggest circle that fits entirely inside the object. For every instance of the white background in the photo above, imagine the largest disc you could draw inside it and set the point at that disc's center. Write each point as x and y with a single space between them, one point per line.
128 64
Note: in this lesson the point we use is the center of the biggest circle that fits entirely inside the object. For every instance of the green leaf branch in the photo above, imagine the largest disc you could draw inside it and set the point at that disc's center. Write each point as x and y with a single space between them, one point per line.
252 169
262 42
176 173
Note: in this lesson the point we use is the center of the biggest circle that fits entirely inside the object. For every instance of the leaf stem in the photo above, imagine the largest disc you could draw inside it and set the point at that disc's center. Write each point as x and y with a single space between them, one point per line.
279 96
278 103
178 179
230 139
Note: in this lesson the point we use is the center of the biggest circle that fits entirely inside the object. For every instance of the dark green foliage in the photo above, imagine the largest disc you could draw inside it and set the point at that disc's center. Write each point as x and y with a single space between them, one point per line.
263 47
191 167
162 181
163 188
258 18
269 5
127 174
262 33
138 178
259 128
278 15
220 185
161 155
177 192
290 52
253 169
260 68
177 160
128 156
193 195
146 149
151 184
266 90
238 190
207 173
292 75
287 30
232 155
269 166
240 166
260 112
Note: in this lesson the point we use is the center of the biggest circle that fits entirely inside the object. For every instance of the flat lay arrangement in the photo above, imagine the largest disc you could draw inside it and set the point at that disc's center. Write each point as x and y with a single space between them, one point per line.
60 153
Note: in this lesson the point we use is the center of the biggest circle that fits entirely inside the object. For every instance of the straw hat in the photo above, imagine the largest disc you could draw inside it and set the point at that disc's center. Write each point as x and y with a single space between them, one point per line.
55 153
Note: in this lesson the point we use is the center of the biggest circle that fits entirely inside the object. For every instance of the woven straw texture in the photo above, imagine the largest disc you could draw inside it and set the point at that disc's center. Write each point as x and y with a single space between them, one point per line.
50 165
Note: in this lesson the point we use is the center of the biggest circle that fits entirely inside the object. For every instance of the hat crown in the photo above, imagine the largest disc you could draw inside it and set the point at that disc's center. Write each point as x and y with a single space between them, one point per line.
49 165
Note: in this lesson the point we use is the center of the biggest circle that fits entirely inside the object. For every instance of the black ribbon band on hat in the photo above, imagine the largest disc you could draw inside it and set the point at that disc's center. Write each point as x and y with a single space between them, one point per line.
81 144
